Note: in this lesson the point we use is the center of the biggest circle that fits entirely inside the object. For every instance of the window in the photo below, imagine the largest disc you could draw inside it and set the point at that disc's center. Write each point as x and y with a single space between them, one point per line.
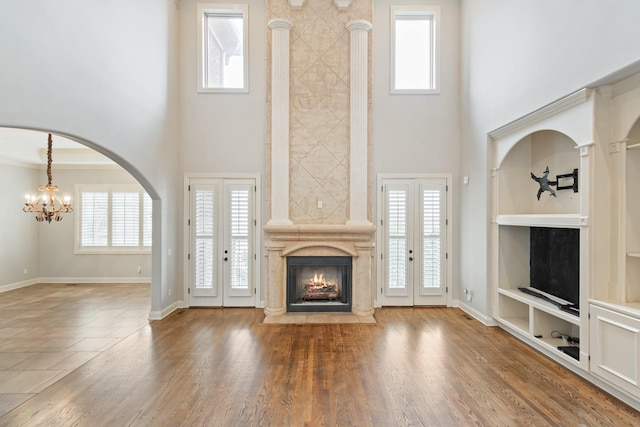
222 47
114 218
415 49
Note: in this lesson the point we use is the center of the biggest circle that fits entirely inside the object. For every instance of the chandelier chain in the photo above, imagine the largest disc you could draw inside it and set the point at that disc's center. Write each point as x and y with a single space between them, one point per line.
49 159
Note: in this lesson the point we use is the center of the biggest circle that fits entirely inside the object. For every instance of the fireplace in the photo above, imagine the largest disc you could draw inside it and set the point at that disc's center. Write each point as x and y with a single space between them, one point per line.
318 283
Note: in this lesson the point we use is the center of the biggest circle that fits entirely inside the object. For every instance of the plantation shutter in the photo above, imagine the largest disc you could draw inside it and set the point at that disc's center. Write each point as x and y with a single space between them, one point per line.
204 229
125 219
397 237
94 219
147 220
432 237
239 239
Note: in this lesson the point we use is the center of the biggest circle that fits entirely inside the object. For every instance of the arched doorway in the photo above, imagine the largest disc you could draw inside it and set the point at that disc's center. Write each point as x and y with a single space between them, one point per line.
25 149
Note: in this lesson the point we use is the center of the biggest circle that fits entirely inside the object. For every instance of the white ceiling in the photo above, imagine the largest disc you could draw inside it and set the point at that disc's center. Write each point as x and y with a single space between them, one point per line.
30 147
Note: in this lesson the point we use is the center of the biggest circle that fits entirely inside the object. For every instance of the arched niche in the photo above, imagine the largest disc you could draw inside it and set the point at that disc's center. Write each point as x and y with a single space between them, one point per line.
532 155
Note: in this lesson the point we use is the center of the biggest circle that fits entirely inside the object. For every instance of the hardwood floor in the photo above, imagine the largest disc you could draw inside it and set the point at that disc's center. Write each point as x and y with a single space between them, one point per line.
415 366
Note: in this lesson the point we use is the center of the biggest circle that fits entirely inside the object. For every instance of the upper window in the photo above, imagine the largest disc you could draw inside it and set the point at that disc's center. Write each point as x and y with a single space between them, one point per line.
113 218
414 49
222 48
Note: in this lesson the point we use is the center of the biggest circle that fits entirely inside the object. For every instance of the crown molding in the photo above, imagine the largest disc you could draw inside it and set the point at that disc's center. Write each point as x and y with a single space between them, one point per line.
540 114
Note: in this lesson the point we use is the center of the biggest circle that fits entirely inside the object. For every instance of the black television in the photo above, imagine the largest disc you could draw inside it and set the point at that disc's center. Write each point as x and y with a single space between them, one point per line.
554 262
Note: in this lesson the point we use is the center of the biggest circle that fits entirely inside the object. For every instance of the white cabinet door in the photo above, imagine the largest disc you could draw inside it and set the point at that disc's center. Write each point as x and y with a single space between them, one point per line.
615 348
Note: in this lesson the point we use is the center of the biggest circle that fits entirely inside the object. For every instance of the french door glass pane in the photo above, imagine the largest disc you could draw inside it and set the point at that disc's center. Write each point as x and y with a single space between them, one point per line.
431 238
205 242
397 239
240 251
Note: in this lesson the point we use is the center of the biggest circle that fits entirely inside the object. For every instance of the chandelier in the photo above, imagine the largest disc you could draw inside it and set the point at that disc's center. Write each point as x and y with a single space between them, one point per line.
48 205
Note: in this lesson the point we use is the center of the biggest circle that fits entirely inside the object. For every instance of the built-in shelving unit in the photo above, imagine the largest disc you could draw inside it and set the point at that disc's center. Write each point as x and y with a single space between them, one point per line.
530 147
574 133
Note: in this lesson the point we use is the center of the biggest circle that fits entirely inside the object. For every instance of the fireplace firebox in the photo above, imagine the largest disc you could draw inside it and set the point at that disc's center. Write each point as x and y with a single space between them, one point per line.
318 283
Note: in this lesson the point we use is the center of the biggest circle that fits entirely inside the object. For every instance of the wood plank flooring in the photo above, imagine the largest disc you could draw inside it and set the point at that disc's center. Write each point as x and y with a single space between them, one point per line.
224 367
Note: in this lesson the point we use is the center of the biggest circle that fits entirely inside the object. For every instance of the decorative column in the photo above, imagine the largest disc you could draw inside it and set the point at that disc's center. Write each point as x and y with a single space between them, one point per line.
280 121
275 291
358 122
362 296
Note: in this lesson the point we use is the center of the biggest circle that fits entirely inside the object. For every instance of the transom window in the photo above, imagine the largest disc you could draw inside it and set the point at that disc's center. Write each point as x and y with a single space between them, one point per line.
223 58
113 218
414 49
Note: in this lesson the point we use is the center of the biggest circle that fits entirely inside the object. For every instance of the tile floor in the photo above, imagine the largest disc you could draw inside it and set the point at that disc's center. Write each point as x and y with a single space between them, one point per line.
48 330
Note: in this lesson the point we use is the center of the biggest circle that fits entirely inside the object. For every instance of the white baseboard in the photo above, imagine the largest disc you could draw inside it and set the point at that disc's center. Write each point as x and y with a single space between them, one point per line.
482 318
99 280
75 280
159 315
17 285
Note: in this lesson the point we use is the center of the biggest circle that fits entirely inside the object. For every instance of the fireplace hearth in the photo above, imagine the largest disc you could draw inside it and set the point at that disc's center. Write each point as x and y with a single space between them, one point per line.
319 283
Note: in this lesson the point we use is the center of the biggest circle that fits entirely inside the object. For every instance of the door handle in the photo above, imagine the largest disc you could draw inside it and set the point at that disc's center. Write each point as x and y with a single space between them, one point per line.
226 259
410 258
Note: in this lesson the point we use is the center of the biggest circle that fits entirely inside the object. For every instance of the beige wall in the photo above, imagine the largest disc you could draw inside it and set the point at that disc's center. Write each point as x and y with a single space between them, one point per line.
18 231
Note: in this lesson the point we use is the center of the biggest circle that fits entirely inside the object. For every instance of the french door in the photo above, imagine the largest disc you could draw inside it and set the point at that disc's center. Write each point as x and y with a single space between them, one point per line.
221 242
413 249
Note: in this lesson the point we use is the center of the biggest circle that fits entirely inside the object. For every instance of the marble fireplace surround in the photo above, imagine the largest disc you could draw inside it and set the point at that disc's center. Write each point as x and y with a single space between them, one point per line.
320 67
319 240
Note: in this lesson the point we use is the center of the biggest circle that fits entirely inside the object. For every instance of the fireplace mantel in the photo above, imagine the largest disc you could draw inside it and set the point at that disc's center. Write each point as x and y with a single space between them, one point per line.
320 232
321 240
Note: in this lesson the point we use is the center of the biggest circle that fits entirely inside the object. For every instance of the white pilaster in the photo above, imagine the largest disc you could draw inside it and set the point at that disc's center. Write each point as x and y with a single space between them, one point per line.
362 299
358 122
280 121
275 286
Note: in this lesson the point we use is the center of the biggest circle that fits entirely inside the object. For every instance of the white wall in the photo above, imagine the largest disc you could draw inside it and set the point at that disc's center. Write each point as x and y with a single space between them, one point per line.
420 134
18 231
222 132
56 248
417 133
104 73
516 58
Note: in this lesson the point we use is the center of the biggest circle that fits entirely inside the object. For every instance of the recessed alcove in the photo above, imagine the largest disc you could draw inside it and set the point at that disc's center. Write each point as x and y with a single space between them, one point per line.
533 154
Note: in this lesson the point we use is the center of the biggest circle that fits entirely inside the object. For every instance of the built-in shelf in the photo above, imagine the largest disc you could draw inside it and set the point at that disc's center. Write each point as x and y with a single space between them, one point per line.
633 146
634 254
517 323
536 320
554 343
540 304
543 220
627 308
